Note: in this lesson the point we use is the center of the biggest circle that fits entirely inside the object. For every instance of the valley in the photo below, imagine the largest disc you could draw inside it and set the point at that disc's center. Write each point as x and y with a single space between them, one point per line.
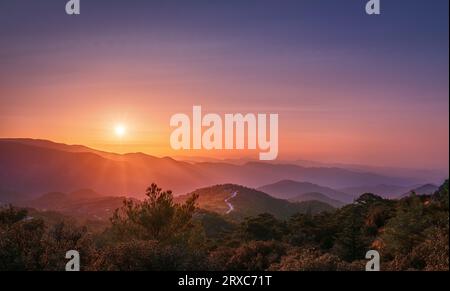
223 215
28 167
91 184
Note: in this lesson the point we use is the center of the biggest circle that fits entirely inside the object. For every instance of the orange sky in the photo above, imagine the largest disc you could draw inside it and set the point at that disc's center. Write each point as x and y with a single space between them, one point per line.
333 133
341 96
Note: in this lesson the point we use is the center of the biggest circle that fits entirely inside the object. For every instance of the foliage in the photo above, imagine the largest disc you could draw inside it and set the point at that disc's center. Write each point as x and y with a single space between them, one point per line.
150 255
159 234
156 218
26 243
263 227
251 256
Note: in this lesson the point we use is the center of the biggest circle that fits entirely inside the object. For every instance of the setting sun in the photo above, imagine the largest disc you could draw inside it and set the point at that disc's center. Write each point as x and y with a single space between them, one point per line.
120 130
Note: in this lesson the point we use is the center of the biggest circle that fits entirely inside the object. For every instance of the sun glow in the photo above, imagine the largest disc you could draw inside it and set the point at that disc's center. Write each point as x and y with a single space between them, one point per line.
120 130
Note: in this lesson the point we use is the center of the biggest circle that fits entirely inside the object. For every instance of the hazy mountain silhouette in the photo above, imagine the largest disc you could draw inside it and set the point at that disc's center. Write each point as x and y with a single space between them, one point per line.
36 169
432 175
288 189
8 196
36 166
85 203
314 196
250 202
427 189
388 191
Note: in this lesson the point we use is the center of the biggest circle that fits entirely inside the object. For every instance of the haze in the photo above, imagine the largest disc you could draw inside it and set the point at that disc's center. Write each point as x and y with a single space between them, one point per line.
348 87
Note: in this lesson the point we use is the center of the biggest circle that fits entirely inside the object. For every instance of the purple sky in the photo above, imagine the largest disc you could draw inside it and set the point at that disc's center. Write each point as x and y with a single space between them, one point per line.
348 87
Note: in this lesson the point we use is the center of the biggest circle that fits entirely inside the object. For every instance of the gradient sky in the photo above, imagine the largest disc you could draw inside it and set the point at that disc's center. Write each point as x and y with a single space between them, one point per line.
348 87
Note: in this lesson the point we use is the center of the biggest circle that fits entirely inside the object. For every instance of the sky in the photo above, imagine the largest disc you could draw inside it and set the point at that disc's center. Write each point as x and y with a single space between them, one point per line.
348 87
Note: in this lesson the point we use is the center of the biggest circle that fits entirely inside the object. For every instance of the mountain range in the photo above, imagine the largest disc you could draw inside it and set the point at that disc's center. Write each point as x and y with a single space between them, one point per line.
426 189
42 175
387 191
239 202
315 196
32 167
289 189
84 203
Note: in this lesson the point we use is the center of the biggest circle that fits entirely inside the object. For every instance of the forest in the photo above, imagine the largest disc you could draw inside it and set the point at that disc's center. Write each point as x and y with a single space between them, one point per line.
159 234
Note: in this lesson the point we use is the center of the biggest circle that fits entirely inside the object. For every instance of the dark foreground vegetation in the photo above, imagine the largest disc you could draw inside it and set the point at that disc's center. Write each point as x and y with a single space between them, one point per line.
159 234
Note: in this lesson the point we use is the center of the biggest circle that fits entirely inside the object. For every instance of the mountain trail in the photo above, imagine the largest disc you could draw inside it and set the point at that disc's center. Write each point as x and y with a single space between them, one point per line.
227 201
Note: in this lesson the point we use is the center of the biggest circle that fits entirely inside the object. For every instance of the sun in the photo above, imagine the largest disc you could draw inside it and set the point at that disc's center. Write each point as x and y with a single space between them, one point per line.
120 130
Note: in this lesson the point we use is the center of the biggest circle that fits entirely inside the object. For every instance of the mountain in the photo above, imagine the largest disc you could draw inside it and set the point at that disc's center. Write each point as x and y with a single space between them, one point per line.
314 196
11 197
427 189
84 203
433 175
254 174
85 194
387 191
33 167
239 202
288 189
419 175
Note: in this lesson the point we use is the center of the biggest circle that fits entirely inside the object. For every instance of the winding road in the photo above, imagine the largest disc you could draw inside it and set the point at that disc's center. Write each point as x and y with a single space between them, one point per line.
227 201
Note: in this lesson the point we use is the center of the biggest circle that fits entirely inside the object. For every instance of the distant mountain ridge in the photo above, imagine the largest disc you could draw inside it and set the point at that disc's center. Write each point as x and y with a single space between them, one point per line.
37 166
8 196
314 196
37 169
387 191
289 189
83 203
250 202
427 189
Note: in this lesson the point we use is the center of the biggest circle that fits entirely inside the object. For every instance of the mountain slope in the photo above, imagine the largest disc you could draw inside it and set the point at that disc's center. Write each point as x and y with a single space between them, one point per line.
288 189
35 166
35 169
85 204
427 189
432 175
12 197
254 174
314 196
250 202
387 191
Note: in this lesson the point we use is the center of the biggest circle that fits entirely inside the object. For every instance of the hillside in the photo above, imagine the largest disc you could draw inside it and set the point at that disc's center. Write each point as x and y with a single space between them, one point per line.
387 191
427 189
288 189
35 167
85 204
250 202
314 196
12 197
